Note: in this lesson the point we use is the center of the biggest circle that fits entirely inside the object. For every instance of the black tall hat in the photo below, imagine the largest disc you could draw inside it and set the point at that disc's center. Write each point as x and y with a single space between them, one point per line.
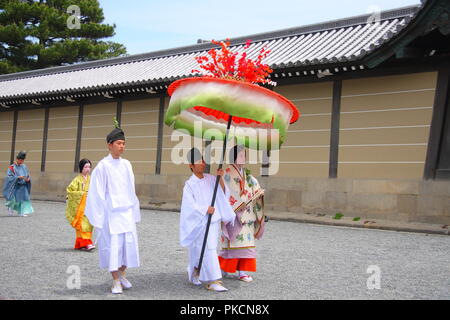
21 155
116 134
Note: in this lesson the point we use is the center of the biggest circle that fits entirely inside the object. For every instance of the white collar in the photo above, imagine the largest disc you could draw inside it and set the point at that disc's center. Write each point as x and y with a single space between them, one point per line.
110 157
196 179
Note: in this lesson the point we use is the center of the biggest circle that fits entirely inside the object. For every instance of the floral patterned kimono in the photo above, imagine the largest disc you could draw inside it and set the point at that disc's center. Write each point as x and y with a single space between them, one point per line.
76 202
247 201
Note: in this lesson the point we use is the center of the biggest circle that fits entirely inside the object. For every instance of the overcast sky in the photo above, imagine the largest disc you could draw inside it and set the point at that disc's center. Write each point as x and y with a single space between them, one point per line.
152 25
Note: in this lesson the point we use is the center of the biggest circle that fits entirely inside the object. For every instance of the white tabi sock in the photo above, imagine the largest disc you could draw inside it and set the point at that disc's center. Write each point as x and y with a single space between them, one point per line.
242 273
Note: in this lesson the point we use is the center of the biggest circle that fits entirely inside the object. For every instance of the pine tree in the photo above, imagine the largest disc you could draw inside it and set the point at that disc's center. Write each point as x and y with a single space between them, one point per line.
40 34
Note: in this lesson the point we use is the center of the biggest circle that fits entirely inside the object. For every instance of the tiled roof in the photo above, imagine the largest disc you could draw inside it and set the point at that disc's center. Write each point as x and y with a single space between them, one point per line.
343 42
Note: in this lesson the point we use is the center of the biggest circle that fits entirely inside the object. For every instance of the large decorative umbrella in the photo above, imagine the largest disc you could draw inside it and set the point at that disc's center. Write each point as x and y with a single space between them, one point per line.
256 111
229 95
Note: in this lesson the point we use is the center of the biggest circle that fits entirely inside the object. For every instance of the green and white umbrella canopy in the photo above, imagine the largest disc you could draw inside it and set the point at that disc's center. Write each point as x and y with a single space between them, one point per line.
202 107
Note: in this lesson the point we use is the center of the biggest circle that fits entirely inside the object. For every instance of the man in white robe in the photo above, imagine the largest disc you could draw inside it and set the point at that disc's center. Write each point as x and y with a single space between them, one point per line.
112 207
195 207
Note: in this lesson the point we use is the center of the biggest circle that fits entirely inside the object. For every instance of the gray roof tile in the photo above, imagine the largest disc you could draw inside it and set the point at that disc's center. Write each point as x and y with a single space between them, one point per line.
336 41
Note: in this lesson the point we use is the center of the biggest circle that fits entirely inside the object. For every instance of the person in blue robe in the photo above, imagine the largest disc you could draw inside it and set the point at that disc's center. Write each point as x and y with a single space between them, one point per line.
17 187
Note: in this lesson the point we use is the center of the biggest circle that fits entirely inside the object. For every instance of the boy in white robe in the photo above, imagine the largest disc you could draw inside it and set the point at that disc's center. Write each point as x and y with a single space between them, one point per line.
195 207
112 207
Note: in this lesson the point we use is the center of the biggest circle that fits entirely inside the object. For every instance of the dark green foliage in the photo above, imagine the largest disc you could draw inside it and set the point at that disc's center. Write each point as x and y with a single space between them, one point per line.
338 216
36 34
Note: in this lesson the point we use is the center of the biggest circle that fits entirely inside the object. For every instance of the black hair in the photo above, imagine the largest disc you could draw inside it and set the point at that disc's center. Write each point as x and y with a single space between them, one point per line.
82 163
234 153
21 155
193 156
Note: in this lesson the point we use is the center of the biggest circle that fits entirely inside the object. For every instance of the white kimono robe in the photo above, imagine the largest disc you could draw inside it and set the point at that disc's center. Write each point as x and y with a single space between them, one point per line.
112 207
197 196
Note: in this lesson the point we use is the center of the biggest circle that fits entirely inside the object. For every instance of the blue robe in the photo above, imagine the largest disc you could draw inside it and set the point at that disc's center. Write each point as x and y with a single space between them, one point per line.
17 191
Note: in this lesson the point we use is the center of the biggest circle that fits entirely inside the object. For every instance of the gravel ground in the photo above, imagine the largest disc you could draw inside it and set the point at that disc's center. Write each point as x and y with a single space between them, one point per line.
295 261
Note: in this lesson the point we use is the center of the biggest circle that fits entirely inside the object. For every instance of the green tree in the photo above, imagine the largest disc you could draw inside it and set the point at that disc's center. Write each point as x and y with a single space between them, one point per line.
40 34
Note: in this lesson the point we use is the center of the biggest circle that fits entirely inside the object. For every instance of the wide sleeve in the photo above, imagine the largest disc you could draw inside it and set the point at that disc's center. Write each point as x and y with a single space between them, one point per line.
136 207
28 182
26 174
74 194
231 230
227 191
192 217
74 191
223 204
96 199
9 184
258 209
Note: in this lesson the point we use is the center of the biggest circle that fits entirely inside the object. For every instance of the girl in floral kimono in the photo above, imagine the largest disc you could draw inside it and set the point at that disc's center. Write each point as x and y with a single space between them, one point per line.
76 202
247 200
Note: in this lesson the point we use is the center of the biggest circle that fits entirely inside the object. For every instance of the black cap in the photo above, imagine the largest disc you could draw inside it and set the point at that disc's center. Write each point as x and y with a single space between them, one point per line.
116 134
21 155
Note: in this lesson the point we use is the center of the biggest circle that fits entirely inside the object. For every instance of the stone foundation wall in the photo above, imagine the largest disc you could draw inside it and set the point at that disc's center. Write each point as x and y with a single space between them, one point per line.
397 200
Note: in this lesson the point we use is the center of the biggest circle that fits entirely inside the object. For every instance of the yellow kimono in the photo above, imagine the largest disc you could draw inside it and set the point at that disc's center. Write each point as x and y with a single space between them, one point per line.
76 202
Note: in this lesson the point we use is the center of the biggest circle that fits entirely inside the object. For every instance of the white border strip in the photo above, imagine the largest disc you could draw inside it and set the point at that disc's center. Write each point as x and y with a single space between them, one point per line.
353 162
312 99
360 145
24 120
381 162
386 110
99 115
59 161
391 127
317 146
29 130
310 130
384 145
104 150
136 112
315 114
64 117
67 128
365 94
387 92
138 124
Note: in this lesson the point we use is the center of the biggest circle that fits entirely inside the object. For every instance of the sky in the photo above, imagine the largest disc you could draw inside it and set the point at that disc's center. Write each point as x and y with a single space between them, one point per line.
153 25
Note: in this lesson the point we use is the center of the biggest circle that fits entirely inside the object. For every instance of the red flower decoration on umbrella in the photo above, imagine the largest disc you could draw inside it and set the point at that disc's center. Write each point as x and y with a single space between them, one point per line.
226 64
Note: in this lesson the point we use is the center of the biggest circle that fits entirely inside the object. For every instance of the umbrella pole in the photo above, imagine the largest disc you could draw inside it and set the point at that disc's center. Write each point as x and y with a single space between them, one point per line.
214 195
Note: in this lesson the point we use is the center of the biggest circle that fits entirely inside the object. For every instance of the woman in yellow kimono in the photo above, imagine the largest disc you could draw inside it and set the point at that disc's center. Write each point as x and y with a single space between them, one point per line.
76 202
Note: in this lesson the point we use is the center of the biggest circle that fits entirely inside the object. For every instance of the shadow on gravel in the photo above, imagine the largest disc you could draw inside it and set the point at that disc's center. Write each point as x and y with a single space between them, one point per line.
154 286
